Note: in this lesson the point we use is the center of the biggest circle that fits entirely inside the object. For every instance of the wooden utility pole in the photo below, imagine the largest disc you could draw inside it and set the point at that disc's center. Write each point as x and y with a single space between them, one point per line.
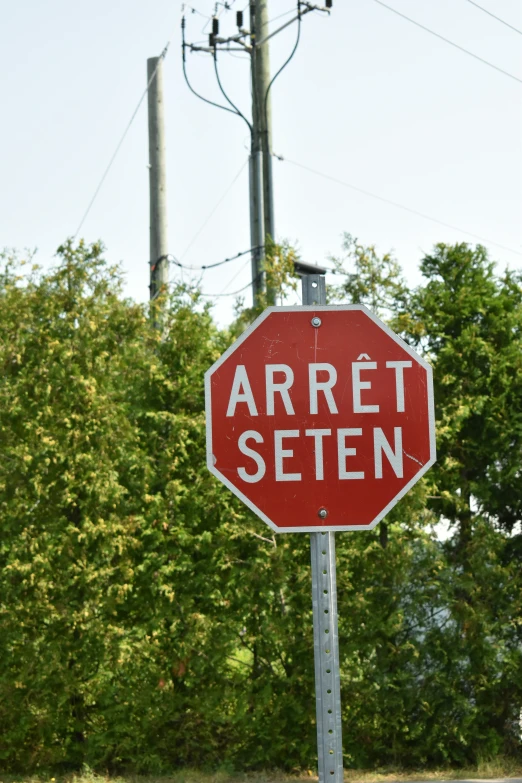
159 265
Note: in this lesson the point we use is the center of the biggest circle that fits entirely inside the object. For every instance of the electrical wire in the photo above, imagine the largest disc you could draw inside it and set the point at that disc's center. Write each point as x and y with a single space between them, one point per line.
452 43
244 57
220 85
204 267
232 258
239 271
234 109
225 7
184 64
206 17
232 293
216 207
217 14
495 17
285 63
194 10
285 13
106 172
396 204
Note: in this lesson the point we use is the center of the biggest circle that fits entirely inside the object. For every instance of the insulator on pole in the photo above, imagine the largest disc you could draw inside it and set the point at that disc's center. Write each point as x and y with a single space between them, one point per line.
211 41
215 25
239 18
328 3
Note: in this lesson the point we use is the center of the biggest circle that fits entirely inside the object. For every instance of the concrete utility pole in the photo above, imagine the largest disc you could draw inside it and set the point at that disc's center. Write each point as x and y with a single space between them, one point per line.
261 188
159 265
263 119
257 219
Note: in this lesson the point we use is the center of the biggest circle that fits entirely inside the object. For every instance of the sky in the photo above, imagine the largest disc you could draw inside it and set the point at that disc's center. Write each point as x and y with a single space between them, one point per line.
369 99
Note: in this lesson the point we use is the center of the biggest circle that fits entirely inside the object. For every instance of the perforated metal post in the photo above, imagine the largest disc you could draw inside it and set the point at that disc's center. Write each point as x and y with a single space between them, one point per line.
326 655
324 602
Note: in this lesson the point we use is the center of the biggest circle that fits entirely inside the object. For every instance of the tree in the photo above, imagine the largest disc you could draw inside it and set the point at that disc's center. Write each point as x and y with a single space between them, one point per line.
376 281
144 613
467 321
148 620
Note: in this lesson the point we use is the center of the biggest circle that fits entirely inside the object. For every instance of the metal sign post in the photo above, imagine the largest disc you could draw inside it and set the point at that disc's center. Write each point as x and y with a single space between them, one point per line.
326 657
324 602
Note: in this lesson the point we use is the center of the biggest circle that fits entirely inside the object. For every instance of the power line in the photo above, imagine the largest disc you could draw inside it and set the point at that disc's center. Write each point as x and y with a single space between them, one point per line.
239 271
204 267
495 17
217 14
452 43
192 48
105 173
232 258
193 10
225 95
285 13
233 293
214 210
396 204
329 270
281 69
225 6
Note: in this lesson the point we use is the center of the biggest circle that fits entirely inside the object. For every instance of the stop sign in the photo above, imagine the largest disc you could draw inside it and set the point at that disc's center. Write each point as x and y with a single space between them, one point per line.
319 418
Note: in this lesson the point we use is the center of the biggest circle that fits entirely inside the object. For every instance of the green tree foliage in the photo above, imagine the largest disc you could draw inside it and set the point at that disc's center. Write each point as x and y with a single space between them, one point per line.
371 280
280 277
143 615
149 621
467 321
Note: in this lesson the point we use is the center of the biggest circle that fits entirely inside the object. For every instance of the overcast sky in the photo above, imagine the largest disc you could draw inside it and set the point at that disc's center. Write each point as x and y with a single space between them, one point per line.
369 99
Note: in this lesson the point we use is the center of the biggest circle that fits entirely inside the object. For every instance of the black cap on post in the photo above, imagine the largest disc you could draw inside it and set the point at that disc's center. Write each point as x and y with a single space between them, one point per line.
239 18
302 269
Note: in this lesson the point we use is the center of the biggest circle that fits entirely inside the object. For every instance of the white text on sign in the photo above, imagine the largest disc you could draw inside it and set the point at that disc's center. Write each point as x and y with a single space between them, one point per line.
322 379
242 390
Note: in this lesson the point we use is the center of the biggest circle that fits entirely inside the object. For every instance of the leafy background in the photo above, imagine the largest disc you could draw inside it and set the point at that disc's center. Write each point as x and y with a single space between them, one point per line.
149 621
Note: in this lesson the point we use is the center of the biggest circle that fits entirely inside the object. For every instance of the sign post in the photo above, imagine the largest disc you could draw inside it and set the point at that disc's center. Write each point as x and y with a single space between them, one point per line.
324 604
320 418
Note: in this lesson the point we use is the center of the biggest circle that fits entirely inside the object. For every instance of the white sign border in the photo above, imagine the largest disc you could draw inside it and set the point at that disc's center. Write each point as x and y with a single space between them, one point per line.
323 527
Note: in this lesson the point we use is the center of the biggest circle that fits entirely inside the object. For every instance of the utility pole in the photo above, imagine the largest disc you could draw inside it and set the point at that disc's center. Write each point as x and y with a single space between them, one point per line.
253 41
256 170
159 265
263 115
261 189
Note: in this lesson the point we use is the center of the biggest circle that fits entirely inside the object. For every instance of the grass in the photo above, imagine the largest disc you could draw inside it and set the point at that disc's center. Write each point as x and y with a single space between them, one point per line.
500 768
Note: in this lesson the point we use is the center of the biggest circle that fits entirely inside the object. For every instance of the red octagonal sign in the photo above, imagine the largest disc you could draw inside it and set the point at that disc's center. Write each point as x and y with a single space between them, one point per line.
319 418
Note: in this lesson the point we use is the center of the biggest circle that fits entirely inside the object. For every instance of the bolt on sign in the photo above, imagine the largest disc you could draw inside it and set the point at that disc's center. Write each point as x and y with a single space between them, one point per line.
320 418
